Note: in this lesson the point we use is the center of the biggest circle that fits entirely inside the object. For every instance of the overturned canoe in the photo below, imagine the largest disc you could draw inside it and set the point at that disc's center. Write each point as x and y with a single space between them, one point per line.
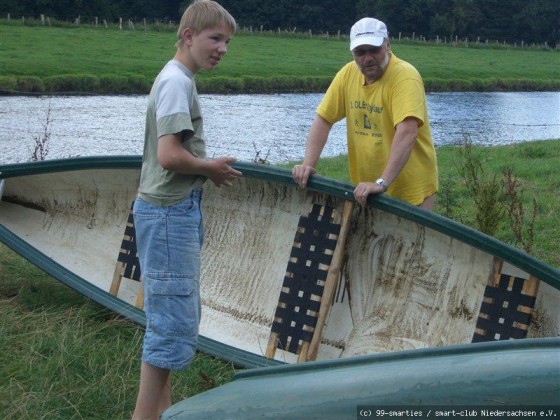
288 274
507 379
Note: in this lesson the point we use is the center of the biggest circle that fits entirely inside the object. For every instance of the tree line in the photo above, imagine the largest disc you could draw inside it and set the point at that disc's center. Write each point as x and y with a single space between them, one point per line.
510 21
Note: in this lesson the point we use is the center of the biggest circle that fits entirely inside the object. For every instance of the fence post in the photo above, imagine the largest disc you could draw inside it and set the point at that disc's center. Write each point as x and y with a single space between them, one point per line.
120 23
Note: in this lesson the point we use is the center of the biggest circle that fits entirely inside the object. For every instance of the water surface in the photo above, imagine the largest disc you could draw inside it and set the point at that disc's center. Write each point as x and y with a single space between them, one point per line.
271 127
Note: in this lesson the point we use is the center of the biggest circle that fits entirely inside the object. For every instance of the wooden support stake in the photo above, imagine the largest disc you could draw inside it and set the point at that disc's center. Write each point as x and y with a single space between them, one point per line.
140 298
272 343
331 281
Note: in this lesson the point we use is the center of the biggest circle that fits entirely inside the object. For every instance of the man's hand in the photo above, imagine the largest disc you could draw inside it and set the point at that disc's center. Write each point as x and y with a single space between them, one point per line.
364 189
301 174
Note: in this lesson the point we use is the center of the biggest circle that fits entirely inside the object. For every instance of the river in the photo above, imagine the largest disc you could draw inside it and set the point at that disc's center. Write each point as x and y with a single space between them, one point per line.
270 127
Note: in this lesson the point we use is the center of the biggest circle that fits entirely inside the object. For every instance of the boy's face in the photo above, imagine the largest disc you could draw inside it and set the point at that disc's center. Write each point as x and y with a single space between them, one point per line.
206 49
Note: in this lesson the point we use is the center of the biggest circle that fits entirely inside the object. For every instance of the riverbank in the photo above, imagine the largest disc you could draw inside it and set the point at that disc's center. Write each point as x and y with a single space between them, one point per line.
87 60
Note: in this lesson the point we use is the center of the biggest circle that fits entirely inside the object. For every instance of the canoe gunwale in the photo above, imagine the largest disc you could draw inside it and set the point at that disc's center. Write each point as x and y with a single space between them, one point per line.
320 184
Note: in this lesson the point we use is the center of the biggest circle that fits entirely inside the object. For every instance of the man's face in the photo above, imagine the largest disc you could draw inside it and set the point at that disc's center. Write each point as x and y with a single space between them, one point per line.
372 61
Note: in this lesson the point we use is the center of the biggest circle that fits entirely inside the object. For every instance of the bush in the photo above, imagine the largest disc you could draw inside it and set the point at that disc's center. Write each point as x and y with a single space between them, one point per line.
72 83
30 84
112 84
8 83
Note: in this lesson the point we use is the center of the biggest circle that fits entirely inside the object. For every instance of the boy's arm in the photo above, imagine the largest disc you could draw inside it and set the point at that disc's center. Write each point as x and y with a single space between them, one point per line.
173 157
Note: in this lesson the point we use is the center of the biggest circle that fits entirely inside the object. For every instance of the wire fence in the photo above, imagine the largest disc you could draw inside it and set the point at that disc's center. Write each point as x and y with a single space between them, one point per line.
144 24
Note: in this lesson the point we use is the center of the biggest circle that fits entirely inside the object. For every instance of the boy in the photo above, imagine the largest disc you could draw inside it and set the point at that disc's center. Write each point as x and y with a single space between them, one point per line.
167 215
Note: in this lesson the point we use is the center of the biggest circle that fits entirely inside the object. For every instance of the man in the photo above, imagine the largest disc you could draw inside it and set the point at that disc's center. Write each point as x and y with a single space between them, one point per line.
167 216
382 97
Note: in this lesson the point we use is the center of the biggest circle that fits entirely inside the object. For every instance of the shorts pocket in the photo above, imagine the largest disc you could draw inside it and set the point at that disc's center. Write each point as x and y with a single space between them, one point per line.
172 306
180 286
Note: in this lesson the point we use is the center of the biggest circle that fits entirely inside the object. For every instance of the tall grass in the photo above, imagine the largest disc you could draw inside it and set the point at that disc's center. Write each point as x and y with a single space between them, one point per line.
44 59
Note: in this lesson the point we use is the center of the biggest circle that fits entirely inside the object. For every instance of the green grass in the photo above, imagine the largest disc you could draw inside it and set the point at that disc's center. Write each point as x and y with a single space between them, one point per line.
535 166
64 357
254 62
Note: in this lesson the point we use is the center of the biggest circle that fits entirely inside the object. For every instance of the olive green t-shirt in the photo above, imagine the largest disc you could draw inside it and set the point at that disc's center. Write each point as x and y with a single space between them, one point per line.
173 107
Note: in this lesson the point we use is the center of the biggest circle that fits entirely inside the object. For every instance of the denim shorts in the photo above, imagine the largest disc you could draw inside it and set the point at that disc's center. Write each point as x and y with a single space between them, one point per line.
169 240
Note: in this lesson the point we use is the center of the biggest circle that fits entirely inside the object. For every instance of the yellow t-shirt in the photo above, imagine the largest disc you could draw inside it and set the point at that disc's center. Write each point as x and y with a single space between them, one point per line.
372 113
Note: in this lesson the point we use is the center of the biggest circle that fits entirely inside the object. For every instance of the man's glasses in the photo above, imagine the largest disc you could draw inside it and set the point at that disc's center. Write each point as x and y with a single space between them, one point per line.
360 52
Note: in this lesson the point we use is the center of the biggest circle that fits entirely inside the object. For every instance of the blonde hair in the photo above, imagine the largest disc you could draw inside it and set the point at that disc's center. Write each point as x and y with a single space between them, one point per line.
204 14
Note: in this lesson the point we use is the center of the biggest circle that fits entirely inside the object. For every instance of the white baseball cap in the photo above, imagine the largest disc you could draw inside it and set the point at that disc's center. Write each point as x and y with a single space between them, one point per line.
368 31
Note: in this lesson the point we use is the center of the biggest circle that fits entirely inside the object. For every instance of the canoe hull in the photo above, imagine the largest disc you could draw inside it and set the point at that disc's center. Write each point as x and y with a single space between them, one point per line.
491 376
409 279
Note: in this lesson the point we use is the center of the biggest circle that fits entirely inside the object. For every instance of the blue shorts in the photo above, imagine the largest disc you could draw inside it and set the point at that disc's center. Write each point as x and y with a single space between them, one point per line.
169 240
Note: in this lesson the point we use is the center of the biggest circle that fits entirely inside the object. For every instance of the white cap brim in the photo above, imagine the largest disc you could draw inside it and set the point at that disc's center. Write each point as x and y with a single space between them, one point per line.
375 41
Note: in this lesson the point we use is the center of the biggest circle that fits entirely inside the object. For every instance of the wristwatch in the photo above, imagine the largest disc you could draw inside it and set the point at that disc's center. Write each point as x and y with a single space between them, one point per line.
381 181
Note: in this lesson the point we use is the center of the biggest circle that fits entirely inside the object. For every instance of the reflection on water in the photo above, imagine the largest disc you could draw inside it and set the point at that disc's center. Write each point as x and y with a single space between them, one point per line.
272 127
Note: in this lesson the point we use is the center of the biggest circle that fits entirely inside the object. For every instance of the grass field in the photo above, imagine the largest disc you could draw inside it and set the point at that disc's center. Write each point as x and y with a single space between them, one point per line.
38 57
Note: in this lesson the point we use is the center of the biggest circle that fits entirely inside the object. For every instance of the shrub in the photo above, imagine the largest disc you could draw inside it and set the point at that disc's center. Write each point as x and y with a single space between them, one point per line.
8 83
30 84
72 83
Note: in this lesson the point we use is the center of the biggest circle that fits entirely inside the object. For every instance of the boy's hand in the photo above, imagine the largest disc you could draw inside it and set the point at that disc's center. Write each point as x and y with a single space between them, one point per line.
221 172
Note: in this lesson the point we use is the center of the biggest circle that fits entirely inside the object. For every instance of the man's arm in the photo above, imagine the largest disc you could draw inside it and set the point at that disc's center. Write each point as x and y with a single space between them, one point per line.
316 140
401 148
403 142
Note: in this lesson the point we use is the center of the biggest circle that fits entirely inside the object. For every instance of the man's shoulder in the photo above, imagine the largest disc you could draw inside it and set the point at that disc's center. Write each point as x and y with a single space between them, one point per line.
401 66
348 72
350 68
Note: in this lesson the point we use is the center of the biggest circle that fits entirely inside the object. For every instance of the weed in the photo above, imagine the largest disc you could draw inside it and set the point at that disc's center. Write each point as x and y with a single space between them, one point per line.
42 139
486 191
447 197
516 212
